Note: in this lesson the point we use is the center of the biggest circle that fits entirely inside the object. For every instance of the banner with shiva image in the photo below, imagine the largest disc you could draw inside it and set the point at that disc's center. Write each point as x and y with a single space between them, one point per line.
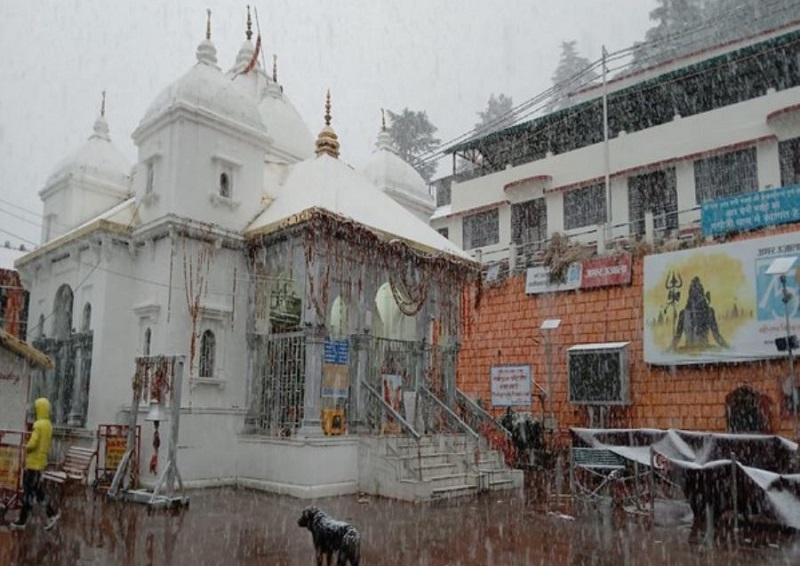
717 303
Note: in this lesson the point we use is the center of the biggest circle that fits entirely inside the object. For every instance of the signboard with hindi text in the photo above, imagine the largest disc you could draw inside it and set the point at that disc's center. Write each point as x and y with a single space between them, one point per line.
335 369
511 386
749 211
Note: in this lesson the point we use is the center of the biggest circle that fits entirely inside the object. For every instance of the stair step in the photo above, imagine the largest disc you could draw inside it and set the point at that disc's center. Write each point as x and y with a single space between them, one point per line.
453 491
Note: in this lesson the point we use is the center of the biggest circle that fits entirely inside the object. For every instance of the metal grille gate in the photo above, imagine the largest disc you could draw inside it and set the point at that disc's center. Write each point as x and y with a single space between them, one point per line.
280 382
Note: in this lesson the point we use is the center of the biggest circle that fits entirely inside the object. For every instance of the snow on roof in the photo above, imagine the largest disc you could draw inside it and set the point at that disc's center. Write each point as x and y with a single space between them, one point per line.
205 88
599 346
388 170
327 183
97 157
119 217
442 211
8 256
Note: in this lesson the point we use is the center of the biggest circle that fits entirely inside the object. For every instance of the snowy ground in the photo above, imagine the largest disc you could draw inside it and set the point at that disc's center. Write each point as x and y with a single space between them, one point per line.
225 526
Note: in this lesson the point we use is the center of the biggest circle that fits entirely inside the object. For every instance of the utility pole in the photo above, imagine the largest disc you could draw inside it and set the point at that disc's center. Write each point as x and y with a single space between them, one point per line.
609 216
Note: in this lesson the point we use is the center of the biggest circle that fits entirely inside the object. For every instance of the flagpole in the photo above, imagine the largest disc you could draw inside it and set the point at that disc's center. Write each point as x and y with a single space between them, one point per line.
261 46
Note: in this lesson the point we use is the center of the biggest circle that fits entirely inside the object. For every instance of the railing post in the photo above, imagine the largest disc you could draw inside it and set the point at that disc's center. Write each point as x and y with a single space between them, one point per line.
734 494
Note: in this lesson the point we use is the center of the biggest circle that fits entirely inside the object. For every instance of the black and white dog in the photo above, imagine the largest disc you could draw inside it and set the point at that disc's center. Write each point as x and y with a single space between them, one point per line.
330 535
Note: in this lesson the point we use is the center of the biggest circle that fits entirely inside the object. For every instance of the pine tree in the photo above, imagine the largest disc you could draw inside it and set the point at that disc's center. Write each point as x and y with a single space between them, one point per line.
412 137
498 115
673 33
571 75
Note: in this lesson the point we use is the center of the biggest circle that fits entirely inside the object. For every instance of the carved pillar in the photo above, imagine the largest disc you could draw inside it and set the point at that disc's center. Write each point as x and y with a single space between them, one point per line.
255 383
361 345
74 400
312 394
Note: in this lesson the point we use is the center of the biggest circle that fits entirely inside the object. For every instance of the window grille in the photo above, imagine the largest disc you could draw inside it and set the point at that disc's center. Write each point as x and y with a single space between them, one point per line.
790 161
585 206
208 345
654 192
481 229
726 175
529 224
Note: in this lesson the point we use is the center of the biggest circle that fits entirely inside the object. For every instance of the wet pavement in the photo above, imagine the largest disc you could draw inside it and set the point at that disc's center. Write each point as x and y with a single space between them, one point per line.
230 526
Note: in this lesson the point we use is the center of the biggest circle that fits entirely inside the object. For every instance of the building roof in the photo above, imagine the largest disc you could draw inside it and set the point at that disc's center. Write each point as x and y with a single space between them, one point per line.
24 350
119 218
646 103
8 256
327 183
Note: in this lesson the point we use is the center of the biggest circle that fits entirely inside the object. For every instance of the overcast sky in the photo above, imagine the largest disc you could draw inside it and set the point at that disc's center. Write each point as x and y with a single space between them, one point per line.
442 56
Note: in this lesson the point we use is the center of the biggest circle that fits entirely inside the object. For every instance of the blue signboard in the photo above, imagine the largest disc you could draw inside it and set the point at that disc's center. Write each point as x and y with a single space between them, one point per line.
336 351
752 210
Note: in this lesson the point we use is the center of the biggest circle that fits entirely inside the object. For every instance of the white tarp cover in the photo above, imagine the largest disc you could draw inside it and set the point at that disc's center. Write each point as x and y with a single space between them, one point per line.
766 474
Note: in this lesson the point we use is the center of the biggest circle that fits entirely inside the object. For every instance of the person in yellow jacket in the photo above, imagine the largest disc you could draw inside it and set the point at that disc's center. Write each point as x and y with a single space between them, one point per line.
36 450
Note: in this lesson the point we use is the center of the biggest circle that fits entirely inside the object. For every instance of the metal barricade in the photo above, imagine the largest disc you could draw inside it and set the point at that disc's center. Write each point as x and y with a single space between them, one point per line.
111 445
12 462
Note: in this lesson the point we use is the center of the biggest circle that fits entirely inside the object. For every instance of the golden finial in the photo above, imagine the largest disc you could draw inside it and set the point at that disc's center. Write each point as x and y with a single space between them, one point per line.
249 32
274 68
327 140
208 24
103 105
383 120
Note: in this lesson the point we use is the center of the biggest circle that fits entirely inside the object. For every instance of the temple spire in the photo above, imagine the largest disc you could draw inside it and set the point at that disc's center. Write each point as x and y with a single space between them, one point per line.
274 68
327 140
208 24
103 104
249 33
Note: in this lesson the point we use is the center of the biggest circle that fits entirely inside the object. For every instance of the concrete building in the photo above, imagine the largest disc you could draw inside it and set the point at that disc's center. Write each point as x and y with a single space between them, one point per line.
712 124
666 312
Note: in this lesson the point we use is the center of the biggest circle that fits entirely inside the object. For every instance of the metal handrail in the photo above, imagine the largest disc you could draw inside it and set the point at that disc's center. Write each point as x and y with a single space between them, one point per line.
469 450
404 423
475 408
463 425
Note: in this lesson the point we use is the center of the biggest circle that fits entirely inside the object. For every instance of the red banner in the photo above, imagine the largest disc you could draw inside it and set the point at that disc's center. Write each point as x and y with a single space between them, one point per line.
606 271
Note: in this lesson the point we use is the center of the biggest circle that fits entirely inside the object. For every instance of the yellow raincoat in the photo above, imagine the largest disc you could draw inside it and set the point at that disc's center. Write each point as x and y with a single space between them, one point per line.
38 446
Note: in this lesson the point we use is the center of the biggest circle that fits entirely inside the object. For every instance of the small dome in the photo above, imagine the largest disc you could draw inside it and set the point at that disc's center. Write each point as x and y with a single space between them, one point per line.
97 158
205 88
396 177
288 130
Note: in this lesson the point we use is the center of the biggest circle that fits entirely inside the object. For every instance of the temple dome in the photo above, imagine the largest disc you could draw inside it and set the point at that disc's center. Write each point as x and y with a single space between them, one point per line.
98 158
397 178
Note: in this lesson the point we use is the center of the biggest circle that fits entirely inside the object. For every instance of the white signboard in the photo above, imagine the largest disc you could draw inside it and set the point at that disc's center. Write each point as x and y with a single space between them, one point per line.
511 386
537 280
717 303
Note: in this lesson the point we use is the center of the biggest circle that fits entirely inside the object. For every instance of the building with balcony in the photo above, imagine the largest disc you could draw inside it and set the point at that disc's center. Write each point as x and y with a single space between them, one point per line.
721 122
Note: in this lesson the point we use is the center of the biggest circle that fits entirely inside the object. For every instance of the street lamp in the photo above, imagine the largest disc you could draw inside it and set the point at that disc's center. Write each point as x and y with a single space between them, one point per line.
550 325
782 266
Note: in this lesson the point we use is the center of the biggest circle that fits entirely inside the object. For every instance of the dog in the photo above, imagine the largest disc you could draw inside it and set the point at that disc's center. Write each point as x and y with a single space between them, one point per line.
330 535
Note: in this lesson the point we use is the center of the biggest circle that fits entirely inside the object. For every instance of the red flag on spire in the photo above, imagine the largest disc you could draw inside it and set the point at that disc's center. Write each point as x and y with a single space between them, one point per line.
252 64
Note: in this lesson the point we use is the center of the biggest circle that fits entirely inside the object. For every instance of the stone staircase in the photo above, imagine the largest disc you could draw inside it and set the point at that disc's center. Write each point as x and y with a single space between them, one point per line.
438 467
